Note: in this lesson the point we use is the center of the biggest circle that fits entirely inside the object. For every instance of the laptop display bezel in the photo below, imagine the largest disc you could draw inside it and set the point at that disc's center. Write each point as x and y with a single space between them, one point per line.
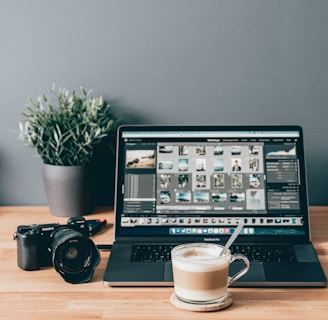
150 234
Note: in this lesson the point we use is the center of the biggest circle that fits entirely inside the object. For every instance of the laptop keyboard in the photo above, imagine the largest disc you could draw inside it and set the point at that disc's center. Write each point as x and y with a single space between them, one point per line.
255 253
266 253
151 253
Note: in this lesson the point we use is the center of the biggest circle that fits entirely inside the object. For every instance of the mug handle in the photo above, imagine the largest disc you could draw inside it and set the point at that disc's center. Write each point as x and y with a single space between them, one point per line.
240 273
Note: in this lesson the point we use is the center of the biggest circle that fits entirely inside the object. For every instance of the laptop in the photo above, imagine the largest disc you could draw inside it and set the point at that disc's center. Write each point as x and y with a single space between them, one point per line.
180 184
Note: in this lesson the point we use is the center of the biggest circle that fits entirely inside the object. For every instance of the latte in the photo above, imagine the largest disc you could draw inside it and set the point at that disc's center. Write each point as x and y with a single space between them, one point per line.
200 274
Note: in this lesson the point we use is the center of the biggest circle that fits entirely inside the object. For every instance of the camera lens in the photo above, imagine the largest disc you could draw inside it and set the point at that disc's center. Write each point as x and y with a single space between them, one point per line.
74 256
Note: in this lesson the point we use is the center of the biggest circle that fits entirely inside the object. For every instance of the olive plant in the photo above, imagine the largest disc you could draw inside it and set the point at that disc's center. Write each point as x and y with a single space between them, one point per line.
65 129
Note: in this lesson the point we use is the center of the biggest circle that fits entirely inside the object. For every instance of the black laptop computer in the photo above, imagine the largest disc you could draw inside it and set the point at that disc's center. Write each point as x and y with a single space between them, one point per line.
179 184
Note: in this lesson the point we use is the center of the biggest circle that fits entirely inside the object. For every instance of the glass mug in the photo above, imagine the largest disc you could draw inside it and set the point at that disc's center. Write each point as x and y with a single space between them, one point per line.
201 274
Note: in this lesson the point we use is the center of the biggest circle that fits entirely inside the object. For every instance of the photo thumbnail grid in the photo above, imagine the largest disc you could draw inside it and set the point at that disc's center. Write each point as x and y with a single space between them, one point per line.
224 175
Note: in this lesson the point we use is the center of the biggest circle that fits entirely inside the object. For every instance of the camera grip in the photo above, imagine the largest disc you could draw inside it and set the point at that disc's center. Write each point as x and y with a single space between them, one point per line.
27 252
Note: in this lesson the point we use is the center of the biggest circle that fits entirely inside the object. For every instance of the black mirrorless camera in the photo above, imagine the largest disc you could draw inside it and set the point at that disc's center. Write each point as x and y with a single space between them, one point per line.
66 247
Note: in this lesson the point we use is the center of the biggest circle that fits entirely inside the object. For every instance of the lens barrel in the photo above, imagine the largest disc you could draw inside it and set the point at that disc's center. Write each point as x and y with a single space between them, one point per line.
74 256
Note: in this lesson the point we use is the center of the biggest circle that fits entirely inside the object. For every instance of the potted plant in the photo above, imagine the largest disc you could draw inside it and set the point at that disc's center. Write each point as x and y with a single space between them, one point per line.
66 130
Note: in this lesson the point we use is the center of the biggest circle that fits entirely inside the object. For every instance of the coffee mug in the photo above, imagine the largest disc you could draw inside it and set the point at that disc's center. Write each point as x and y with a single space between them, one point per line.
201 273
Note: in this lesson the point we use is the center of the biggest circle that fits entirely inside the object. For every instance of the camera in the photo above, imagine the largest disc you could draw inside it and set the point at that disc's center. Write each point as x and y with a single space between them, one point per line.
66 247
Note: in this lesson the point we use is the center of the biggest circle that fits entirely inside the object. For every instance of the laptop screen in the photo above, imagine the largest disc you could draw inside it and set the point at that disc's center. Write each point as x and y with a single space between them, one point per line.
205 180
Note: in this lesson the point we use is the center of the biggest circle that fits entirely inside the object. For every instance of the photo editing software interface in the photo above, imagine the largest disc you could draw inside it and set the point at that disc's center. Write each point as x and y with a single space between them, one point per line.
202 183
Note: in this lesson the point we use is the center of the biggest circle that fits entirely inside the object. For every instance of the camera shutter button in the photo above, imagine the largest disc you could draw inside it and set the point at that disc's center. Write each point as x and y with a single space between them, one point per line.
33 231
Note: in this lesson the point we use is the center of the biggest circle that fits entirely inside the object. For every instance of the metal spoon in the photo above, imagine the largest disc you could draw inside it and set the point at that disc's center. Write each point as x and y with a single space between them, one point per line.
232 238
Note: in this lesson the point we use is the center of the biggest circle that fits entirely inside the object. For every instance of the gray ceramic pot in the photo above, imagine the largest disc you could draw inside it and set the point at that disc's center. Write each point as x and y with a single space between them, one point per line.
68 190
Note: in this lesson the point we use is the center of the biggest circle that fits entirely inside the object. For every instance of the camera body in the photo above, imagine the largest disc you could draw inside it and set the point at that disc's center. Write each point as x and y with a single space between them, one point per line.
66 247
34 242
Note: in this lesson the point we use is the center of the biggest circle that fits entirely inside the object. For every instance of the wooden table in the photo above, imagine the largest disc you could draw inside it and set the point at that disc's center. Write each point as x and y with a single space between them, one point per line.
43 294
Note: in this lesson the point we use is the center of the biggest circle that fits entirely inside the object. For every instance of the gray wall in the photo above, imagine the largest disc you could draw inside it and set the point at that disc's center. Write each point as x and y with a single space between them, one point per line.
172 61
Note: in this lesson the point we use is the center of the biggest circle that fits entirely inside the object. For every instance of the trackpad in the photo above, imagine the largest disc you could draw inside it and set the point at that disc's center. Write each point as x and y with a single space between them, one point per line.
254 274
168 272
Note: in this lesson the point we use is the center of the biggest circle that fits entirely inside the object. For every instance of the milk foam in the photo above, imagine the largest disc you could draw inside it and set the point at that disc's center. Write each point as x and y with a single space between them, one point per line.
200 253
201 259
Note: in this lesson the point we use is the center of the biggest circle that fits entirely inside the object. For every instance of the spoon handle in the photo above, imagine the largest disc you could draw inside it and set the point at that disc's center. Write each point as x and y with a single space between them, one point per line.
232 238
